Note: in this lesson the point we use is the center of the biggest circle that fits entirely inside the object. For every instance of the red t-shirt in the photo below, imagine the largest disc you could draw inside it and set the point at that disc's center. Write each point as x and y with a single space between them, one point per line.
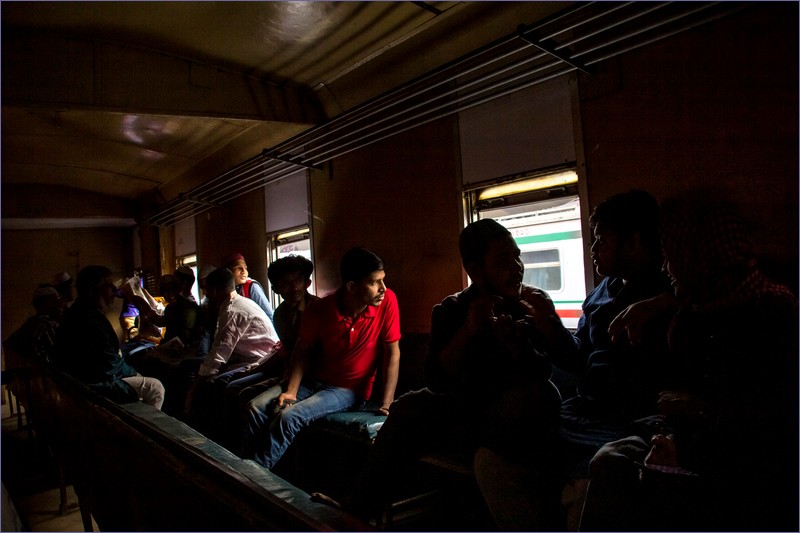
347 354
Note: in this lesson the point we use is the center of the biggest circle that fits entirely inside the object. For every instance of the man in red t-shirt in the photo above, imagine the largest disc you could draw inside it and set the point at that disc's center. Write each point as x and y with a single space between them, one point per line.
343 338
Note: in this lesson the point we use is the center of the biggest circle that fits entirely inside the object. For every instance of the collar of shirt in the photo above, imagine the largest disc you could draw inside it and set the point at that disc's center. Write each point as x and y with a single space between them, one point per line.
368 313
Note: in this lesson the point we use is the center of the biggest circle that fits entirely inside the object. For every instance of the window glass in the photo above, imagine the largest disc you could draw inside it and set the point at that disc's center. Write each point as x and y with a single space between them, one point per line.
543 269
191 262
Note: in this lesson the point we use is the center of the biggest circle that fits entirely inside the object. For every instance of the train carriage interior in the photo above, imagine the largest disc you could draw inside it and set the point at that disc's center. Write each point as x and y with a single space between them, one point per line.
145 136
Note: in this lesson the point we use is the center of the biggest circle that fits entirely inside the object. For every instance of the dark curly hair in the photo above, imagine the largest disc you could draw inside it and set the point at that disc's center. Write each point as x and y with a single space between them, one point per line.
290 264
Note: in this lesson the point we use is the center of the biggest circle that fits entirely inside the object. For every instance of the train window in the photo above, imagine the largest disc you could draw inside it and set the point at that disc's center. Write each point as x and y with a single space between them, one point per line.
543 215
191 262
543 269
296 241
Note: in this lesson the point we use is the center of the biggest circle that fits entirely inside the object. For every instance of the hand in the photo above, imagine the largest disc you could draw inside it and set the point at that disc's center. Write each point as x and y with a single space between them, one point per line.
384 410
535 305
481 312
663 451
630 324
286 399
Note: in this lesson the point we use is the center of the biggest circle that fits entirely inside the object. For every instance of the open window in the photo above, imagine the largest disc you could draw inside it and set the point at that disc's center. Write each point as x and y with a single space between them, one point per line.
542 212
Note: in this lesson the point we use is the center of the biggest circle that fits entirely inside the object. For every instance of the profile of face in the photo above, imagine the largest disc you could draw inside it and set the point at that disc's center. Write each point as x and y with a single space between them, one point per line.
370 290
292 288
685 276
107 292
239 270
501 270
606 251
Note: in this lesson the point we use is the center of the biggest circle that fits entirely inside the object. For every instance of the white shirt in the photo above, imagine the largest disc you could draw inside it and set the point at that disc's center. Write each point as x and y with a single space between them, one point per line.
244 339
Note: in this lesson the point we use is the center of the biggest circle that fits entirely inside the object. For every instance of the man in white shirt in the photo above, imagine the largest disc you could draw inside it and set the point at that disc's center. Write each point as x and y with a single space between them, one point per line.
244 341
245 337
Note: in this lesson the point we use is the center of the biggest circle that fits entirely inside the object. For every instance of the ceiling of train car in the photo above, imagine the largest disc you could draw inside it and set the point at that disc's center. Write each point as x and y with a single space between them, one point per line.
327 52
149 103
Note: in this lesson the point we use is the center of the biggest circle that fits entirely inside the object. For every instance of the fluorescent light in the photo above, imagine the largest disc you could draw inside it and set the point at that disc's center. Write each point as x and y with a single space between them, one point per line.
534 184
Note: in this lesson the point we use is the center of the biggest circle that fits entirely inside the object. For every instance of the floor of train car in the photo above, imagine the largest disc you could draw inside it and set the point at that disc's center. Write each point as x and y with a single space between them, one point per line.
31 479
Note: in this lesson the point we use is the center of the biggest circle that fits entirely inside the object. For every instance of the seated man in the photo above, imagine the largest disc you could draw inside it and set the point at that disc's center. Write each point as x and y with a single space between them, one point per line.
173 362
37 336
244 342
290 278
723 455
487 374
618 382
245 285
181 315
335 360
88 347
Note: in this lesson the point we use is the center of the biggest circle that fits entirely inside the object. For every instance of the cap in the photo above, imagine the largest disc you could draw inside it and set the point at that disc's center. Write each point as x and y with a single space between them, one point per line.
61 277
231 258
41 292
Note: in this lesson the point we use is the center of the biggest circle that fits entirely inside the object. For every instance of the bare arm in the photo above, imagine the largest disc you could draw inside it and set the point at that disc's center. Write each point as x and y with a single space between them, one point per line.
297 366
391 371
630 324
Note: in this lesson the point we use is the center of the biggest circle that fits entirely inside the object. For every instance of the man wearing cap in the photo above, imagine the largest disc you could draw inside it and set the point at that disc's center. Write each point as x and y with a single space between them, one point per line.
88 347
62 282
36 337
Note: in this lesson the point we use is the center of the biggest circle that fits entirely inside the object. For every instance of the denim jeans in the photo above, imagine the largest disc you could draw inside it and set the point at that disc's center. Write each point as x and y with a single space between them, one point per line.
271 433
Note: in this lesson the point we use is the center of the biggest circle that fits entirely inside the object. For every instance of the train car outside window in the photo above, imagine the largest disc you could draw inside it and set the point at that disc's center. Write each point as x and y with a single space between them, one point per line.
543 269
296 241
543 215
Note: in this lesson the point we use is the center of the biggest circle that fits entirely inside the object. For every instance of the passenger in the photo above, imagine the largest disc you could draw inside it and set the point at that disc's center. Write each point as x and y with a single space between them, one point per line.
335 360
245 339
618 383
62 282
37 336
290 278
245 285
88 347
723 457
181 315
487 374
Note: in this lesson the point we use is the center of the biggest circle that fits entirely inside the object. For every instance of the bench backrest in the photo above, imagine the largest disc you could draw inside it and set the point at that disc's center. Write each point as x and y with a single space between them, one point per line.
138 469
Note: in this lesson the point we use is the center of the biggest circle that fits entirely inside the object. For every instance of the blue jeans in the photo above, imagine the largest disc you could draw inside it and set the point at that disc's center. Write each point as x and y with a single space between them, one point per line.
271 433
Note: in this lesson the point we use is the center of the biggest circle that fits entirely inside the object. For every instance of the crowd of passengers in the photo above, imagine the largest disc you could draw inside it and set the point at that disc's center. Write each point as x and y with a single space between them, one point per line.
684 418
